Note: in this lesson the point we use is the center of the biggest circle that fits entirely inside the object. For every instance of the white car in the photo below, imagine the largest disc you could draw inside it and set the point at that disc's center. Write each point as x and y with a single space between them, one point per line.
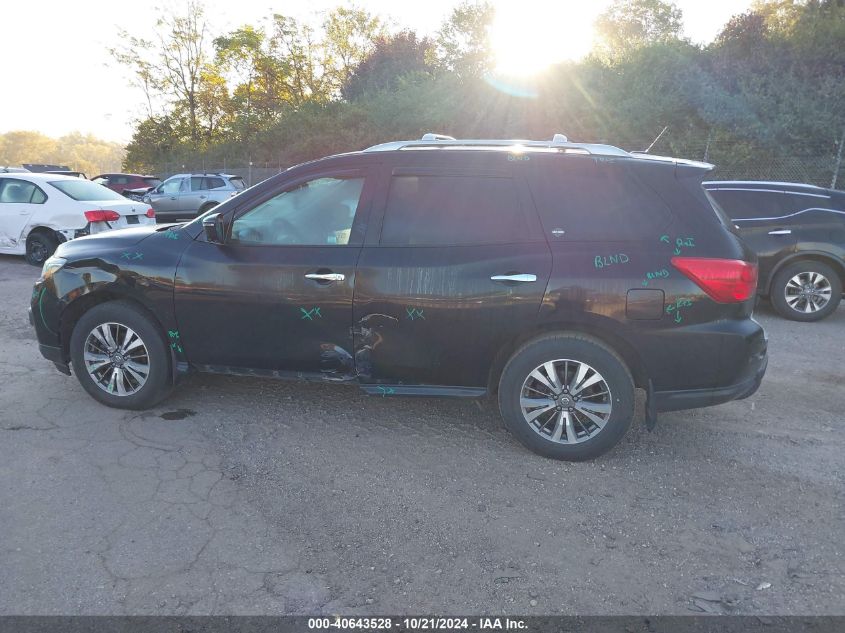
40 211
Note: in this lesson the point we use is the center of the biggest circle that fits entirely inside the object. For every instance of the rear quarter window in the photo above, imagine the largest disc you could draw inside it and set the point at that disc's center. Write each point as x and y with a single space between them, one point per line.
434 210
746 204
594 200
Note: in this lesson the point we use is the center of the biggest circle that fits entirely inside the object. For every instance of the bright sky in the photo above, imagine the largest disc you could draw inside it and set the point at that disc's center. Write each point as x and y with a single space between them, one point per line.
58 76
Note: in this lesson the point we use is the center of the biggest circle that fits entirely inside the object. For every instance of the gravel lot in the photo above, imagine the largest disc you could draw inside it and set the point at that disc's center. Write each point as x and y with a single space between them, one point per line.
241 496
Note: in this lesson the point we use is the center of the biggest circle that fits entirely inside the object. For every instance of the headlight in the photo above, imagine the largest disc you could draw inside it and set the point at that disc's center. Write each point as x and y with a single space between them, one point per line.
52 265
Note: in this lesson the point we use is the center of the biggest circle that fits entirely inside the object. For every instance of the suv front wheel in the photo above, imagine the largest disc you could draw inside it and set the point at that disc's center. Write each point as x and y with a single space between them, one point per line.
806 291
567 396
120 357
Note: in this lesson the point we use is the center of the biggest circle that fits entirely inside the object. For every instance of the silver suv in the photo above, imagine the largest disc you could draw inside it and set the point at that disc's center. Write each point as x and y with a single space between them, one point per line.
189 195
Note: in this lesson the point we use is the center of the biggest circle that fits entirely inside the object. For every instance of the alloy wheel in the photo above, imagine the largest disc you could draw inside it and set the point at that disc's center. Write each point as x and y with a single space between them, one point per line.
566 401
807 292
116 359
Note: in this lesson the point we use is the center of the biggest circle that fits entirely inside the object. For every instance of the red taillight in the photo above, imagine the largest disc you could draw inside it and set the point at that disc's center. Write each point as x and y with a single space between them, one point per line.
725 280
150 213
102 216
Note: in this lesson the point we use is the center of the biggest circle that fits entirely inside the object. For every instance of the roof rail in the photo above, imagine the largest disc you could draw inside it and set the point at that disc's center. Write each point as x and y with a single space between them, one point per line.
559 142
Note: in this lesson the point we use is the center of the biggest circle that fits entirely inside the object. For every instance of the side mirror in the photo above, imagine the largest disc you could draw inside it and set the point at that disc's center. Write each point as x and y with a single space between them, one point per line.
214 228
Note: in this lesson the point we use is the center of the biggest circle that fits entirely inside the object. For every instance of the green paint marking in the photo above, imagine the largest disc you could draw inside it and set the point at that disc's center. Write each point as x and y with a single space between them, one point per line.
603 261
414 313
386 391
310 314
665 238
171 234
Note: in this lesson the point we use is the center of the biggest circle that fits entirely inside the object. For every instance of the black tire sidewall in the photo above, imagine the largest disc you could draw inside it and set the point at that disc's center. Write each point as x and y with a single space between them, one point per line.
158 383
50 243
595 354
783 276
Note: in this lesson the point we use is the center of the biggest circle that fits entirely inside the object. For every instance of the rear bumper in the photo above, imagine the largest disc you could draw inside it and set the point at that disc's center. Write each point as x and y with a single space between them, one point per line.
697 398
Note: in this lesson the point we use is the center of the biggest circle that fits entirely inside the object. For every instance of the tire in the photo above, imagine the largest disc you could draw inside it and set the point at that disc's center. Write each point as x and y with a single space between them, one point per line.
816 278
569 352
120 315
40 246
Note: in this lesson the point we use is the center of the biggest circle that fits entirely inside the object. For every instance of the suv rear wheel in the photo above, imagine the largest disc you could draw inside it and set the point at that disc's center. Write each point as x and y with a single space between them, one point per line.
806 291
120 357
567 396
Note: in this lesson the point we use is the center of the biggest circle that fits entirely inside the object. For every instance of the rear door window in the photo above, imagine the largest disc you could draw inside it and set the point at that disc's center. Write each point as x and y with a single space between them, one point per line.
438 210
595 201
214 183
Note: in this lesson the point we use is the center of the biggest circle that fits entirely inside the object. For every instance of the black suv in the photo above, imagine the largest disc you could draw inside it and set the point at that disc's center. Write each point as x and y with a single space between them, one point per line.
558 275
798 233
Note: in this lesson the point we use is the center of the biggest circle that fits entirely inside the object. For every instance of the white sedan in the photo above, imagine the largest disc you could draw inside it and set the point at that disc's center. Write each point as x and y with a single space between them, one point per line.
40 211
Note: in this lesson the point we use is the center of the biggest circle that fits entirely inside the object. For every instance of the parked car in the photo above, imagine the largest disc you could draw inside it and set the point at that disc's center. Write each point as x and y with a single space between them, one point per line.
123 183
559 276
798 232
189 195
39 211
13 170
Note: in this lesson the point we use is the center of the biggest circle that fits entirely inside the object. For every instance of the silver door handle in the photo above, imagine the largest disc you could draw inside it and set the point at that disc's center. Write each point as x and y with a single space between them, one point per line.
520 277
781 232
326 276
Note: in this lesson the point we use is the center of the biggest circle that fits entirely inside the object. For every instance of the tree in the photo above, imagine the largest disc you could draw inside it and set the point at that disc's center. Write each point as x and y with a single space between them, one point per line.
392 58
462 45
350 35
174 68
627 25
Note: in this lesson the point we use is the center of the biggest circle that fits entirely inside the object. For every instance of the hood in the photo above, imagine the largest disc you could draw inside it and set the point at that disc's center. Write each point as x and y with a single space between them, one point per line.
109 240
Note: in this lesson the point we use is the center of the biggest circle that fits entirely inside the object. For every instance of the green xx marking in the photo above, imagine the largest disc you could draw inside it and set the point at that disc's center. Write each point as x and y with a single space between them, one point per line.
386 391
171 234
135 255
310 314
414 313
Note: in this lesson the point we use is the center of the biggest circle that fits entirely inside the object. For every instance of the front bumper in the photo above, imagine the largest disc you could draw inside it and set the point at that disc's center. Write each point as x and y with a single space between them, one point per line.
51 352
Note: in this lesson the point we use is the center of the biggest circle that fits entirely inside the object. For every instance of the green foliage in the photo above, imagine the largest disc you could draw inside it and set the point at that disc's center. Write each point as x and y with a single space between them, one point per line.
628 25
80 152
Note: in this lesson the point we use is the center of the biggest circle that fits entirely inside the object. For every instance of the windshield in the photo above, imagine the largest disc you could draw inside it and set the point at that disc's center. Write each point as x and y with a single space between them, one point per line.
85 190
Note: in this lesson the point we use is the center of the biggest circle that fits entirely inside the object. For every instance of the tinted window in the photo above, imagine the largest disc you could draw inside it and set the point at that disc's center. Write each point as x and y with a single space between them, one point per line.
596 201
318 212
238 183
438 210
152 182
20 191
85 190
742 204
214 183
120 180
197 183
795 202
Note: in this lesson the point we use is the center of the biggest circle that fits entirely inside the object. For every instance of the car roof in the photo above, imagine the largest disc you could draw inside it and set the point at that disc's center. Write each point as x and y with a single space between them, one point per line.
764 185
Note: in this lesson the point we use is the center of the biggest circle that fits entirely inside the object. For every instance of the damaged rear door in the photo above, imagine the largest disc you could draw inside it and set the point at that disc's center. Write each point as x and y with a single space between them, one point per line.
276 297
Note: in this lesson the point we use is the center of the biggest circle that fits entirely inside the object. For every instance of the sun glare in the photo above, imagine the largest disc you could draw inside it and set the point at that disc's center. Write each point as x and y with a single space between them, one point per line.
528 37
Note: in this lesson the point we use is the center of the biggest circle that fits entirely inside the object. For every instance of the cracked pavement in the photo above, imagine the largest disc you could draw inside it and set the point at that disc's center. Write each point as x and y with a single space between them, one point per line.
250 496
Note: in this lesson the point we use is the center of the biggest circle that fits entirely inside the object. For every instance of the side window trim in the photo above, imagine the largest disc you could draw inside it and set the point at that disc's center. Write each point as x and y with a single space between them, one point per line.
359 223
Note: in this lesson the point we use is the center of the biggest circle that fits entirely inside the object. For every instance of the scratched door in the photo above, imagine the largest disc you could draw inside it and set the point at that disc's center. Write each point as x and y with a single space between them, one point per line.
278 295
459 271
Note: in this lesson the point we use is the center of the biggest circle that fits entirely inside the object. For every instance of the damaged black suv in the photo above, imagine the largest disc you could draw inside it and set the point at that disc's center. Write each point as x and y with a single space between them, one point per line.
558 276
